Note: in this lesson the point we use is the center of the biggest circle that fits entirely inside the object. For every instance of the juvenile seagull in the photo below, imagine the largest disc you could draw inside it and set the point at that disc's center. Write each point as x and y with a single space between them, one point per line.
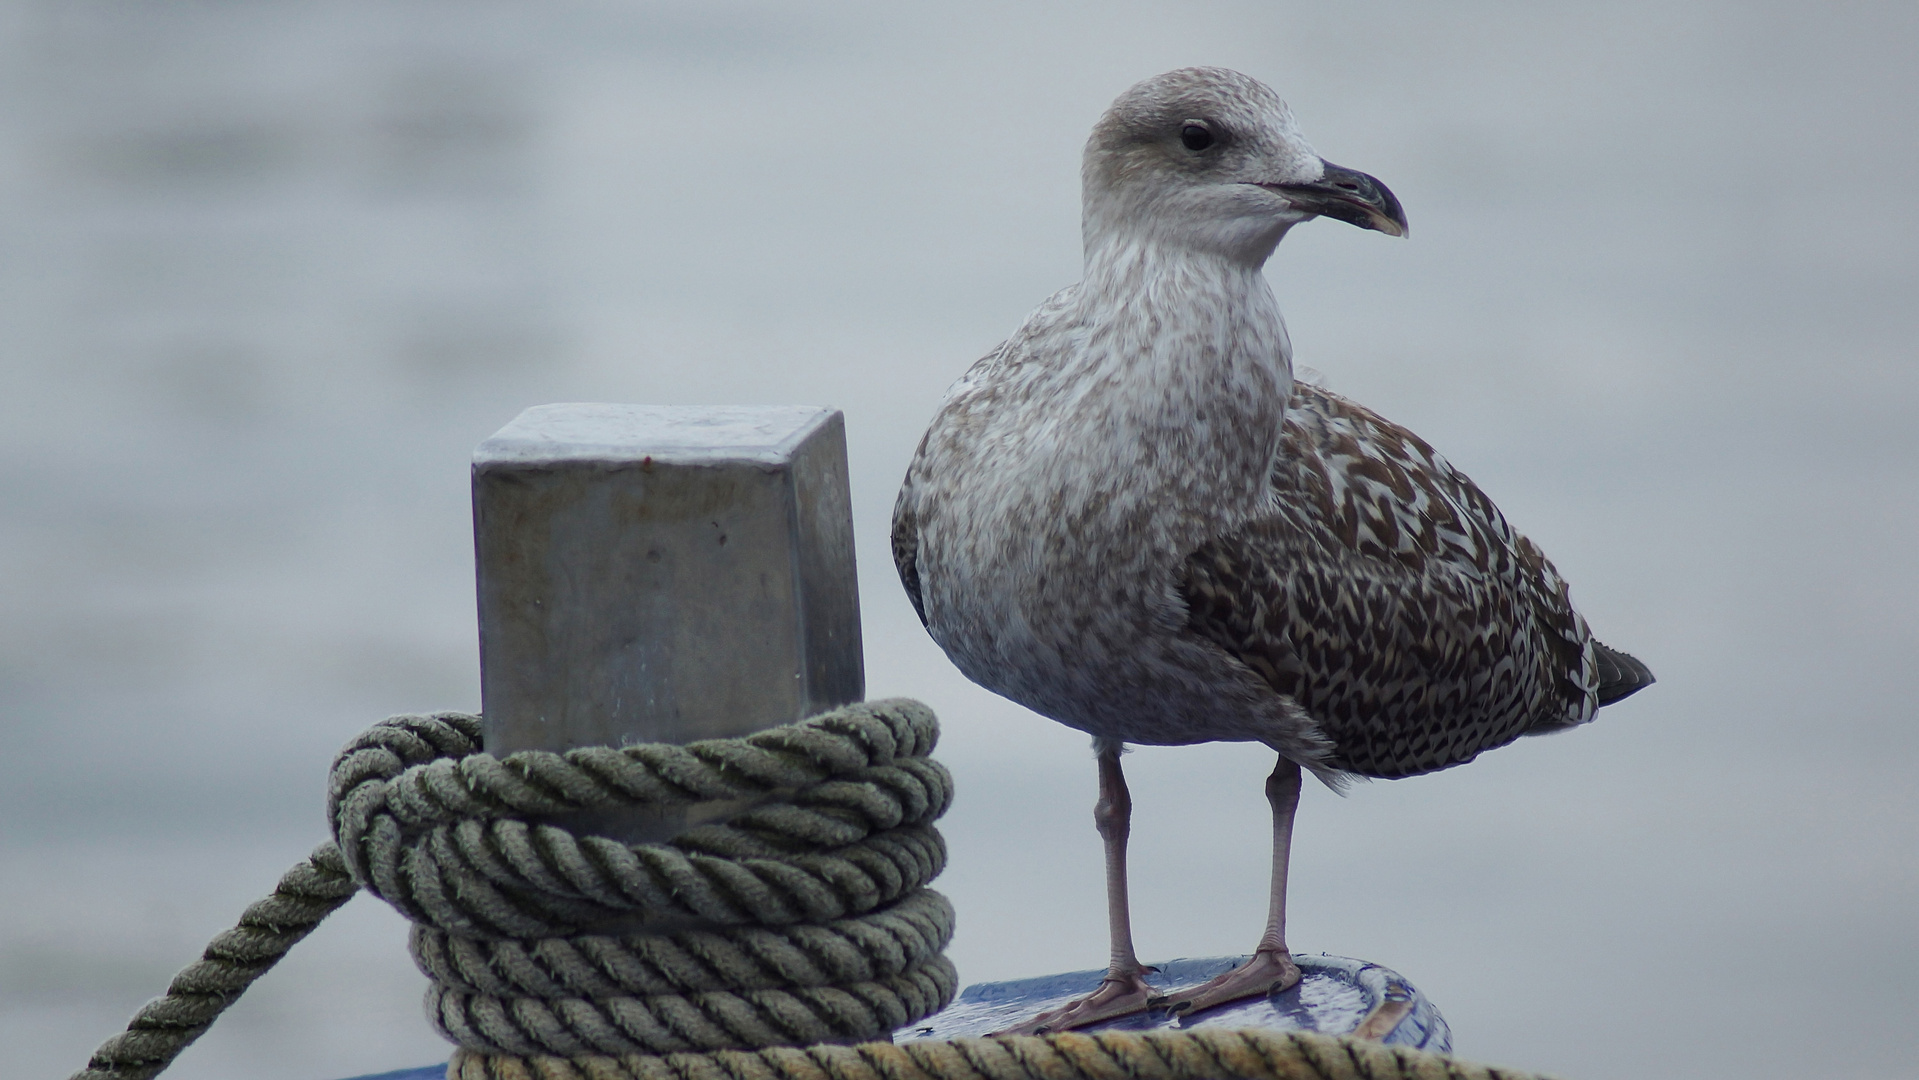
1130 518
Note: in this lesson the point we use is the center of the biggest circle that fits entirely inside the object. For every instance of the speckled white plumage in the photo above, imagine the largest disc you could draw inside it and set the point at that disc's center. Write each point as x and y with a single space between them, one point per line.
1054 584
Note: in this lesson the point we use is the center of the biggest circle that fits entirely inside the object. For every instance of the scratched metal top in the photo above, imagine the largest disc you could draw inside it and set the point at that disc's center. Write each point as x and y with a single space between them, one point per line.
1334 995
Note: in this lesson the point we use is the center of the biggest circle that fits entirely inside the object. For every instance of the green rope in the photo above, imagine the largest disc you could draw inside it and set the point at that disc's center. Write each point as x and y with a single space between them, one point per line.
802 918
202 991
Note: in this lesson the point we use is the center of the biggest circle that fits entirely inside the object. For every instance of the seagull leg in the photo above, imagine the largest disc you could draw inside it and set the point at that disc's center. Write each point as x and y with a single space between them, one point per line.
1271 967
1124 990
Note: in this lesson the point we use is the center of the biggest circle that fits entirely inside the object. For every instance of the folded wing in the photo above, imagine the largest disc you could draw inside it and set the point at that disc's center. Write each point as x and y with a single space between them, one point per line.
1387 595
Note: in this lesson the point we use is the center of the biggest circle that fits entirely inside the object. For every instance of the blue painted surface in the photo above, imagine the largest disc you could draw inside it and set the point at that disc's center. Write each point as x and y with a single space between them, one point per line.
1333 995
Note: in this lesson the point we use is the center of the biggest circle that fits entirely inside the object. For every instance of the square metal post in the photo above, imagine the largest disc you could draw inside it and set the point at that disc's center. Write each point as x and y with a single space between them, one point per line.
663 574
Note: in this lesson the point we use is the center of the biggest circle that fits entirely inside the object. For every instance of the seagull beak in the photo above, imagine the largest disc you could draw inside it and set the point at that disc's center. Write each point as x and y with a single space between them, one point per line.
1348 195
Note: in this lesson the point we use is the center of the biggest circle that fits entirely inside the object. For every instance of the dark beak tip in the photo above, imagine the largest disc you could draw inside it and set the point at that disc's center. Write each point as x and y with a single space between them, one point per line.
1351 196
1393 212
1390 224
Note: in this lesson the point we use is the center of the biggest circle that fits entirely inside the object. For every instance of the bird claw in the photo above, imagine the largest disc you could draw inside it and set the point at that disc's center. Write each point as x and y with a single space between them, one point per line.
1118 995
1269 971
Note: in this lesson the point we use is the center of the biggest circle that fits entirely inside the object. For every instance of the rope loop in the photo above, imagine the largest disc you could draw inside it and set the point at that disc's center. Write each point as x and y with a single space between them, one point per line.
800 914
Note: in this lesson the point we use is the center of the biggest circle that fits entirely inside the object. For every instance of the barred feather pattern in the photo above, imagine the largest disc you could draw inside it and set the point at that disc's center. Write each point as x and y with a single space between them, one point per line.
1389 597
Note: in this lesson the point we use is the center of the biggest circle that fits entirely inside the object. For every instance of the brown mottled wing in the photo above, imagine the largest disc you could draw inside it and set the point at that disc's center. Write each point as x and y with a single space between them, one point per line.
1389 597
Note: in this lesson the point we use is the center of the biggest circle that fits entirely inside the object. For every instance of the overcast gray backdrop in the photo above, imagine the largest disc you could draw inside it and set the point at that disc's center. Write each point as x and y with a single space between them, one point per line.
268 271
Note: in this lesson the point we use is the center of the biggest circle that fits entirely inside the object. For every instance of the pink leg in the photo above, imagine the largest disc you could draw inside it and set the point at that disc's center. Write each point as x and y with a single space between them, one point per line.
1124 990
1271 967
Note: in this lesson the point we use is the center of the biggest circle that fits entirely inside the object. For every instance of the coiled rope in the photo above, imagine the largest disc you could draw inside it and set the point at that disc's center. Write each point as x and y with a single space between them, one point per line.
801 920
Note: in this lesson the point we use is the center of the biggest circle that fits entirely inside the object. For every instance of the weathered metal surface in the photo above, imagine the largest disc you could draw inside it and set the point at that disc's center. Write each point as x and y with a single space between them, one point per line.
662 574
1335 995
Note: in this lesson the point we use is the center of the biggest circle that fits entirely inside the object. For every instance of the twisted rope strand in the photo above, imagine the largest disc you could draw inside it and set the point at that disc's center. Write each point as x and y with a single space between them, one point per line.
425 770
417 807
710 1020
167 1025
1198 1054
884 943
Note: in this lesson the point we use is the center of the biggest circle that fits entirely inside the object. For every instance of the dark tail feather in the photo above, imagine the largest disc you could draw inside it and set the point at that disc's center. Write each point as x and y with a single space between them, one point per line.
1620 676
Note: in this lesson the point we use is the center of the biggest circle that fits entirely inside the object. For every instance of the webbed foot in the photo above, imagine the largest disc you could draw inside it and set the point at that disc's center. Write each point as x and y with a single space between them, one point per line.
1268 971
1121 994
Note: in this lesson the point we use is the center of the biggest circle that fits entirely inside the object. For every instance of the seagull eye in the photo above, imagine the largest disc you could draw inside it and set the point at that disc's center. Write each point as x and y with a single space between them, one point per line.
1194 135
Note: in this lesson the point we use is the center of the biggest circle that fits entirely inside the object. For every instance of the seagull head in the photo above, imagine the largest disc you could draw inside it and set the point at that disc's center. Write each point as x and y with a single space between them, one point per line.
1210 160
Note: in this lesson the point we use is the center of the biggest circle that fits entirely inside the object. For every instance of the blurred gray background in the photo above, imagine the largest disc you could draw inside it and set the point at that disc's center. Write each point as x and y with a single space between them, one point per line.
269 270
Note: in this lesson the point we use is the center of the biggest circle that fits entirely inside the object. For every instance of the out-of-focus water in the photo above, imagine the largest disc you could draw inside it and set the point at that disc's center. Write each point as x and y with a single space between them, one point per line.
268 271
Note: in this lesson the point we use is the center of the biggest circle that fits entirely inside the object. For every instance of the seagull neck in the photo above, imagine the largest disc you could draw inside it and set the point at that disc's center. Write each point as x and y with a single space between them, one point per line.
1183 359
1137 270
1195 309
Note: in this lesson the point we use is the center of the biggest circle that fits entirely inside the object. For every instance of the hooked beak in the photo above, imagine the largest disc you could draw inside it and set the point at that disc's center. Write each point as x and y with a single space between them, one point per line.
1348 195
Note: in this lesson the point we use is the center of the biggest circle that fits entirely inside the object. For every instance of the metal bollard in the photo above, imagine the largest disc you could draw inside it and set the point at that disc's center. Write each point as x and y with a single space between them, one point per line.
662 574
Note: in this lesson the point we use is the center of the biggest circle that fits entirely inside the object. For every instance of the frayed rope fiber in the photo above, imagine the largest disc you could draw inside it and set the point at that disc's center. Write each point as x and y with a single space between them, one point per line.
785 941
